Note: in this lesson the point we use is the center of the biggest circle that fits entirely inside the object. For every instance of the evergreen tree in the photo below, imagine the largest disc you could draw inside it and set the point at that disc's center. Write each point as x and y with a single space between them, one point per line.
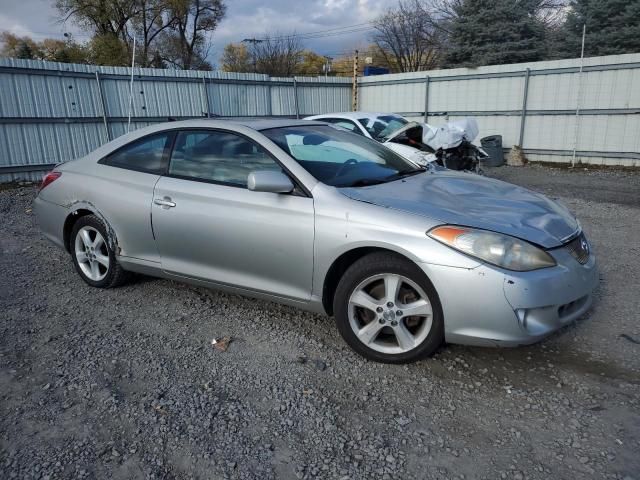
24 51
613 27
495 32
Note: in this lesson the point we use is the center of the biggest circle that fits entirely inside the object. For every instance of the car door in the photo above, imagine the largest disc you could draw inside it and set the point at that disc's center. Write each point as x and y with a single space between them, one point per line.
208 225
122 192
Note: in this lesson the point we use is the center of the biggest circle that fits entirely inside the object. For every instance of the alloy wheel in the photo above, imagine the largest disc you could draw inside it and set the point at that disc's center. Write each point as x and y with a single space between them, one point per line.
92 253
390 313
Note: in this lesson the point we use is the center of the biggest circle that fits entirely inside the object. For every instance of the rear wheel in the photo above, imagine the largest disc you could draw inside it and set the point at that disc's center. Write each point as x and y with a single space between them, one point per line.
388 311
92 256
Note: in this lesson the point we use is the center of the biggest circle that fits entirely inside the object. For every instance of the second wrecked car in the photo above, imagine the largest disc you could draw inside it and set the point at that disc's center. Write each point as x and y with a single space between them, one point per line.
450 145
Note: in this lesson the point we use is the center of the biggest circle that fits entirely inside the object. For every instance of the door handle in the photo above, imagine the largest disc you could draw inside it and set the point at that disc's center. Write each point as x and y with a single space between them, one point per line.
164 202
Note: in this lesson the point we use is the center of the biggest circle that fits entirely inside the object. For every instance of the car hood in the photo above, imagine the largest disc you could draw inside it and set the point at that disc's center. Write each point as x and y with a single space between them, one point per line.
446 136
414 154
472 200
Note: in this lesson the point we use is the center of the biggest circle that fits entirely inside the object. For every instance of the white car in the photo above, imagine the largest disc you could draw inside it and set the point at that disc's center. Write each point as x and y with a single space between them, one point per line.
387 128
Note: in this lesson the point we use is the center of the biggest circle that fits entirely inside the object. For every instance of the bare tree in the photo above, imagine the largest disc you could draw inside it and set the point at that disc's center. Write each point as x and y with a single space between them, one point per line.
278 56
99 16
187 42
152 18
117 21
409 36
173 32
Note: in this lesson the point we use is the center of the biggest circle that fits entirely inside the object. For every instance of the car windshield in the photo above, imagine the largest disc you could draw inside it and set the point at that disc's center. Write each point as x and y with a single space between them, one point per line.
382 126
340 158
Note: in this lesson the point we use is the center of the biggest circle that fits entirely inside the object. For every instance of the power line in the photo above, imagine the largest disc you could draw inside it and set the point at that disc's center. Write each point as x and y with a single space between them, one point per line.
321 35
326 33
346 29
51 34
336 30
365 26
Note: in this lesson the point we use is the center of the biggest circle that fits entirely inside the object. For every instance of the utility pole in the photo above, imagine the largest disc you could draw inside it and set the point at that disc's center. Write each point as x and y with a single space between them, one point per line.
327 65
354 100
253 42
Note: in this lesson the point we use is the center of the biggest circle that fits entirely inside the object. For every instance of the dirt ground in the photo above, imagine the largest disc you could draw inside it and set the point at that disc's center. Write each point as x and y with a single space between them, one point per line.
124 383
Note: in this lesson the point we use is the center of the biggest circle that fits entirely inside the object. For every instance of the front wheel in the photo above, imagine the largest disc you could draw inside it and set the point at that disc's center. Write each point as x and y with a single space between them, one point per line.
387 310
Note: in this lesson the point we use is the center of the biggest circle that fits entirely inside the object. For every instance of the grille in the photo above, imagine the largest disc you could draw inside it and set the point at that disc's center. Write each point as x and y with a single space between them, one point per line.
579 248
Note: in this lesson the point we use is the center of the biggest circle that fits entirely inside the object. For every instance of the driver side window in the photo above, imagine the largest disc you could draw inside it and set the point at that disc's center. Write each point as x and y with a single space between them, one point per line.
218 156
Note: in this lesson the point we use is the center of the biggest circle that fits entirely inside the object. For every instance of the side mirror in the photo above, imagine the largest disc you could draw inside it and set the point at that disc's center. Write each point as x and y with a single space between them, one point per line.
269 181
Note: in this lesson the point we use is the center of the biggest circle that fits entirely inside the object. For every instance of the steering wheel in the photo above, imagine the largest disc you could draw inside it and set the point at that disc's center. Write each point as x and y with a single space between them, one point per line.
344 166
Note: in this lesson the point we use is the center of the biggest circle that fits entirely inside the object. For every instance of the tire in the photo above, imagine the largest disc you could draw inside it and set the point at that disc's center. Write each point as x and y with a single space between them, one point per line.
369 278
85 252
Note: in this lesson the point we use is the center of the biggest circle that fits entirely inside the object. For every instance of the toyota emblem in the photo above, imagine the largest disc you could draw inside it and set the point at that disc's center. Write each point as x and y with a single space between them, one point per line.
584 245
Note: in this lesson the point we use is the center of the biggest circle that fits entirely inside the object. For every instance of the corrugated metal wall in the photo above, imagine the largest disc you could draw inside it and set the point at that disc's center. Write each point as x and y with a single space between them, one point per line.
51 112
608 125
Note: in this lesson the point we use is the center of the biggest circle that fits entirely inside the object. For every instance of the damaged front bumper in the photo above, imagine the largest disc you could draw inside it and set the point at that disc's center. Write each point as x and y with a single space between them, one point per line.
489 306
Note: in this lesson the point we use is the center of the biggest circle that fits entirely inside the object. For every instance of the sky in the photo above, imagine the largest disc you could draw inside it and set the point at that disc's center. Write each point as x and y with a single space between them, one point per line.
244 19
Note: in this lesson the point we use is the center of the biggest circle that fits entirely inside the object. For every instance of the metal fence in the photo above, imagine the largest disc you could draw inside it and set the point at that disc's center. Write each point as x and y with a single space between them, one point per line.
531 104
52 112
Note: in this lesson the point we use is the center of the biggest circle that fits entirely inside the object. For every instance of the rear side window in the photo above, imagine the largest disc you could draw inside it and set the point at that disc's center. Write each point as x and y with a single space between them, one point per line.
144 155
220 157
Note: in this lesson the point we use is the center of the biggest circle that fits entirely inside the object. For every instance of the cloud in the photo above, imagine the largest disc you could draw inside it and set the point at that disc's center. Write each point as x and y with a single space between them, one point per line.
244 19
11 26
34 18
251 18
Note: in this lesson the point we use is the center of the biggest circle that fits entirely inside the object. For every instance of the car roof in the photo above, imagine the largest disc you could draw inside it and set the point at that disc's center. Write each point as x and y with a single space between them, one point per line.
253 123
237 123
267 123
353 115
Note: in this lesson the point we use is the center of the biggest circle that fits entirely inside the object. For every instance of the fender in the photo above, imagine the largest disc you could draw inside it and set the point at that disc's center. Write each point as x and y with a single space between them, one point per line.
78 205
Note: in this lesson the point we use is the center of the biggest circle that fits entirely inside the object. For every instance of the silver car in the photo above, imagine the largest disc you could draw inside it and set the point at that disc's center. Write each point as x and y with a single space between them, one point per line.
299 212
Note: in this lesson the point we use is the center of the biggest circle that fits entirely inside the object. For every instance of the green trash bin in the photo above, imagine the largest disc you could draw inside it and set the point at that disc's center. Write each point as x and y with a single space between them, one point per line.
493 146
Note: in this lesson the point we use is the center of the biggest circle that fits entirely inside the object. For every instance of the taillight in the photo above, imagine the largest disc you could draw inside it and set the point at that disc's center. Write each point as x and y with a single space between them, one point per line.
48 179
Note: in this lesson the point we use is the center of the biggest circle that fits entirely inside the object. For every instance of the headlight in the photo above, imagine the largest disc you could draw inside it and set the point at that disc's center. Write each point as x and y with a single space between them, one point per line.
501 250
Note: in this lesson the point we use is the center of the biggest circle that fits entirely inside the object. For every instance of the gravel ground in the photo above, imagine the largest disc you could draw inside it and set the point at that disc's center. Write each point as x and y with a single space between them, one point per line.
124 383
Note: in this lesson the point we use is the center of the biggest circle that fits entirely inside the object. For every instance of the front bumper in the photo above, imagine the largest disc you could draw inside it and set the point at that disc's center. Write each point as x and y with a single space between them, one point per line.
489 306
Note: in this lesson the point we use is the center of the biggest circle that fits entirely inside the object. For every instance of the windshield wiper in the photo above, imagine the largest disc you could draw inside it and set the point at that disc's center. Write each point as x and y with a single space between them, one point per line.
404 174
365 182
